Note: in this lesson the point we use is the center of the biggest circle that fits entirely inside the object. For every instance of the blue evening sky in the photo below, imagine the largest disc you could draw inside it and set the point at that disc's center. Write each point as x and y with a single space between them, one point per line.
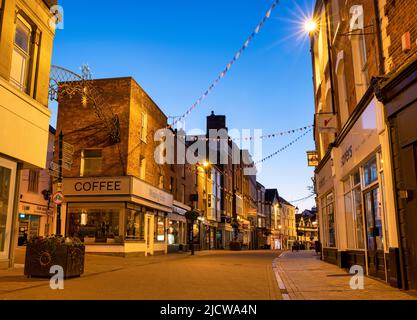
175 49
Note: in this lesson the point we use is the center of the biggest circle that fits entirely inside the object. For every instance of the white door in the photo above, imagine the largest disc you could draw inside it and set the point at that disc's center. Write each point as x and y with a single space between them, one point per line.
149 234
7 190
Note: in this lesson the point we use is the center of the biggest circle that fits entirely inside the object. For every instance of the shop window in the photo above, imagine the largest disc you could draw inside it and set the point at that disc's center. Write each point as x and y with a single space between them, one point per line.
329 214
33 184
160 228
135 225
5 179
370 172
174 232
21 54
349 215
359 227
93 225
91 162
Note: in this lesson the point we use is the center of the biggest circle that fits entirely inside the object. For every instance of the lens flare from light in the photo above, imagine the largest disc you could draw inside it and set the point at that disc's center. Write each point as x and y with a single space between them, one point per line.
310 26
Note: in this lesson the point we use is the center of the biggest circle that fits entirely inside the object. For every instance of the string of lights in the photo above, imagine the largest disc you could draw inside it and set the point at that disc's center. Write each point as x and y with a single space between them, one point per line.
228 67
302 199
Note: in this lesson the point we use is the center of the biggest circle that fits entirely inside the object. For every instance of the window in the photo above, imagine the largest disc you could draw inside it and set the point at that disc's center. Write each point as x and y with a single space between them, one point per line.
360 64
5 181
370 172
160 228
357 206
161 181
135 225
349 214
143 127
329 220
142 168
342 91
21 55
91 162
94 224
33 184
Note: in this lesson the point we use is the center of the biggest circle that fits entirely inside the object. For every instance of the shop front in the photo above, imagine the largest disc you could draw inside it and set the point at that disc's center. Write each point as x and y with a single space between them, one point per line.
7 192
33 221
118 216
177 228
353 194
399 95
224 235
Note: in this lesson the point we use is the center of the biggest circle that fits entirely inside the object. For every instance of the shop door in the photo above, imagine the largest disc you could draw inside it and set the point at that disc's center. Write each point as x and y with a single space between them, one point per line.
376 259
149 234
408 159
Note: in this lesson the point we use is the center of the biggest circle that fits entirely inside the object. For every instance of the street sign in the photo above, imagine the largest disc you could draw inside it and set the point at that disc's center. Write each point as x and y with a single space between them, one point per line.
54 174
66 166
58 198
67 159
68 148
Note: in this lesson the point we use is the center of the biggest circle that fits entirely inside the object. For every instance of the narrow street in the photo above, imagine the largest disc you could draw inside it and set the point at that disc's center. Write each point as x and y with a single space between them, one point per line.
210 275
218 275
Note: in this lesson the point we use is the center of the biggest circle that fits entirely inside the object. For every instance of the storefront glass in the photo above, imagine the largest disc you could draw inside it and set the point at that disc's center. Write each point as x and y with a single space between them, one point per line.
5 177
95 225
160 228
135 225
173 232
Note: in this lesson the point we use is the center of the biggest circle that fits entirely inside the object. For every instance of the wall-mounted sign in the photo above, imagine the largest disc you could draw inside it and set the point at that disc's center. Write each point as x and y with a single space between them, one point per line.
97 186
326 123
313 158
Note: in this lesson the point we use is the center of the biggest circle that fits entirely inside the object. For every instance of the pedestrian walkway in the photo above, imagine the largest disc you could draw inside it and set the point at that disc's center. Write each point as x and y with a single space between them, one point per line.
304 276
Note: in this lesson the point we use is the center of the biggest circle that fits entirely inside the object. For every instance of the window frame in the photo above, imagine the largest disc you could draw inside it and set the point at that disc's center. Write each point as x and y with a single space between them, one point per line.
83 161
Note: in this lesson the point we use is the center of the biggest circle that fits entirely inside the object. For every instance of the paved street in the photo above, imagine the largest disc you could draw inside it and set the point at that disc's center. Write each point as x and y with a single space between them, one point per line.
211 275
208 275
306 277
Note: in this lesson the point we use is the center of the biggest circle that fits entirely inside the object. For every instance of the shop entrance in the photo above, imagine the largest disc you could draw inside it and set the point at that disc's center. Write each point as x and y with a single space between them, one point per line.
376 257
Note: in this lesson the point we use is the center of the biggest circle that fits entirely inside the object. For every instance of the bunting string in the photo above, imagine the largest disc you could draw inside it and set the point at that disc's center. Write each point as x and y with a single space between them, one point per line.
252 138
228 67
284 148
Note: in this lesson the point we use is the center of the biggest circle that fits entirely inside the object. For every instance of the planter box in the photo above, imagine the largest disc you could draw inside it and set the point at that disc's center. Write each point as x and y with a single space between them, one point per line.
42 255
235 246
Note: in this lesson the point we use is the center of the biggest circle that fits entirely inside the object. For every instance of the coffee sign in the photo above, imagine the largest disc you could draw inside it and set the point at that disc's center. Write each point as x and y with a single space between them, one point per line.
97 186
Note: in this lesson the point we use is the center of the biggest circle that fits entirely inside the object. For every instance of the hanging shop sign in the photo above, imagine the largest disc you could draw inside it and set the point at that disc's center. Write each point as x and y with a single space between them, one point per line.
326 123
313 158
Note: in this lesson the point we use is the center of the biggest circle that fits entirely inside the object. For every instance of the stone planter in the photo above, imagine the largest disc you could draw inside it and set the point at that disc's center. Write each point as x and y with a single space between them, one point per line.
42 254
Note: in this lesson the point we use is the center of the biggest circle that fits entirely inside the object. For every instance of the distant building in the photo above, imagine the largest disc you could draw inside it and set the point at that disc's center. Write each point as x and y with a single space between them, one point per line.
35 207
287 226
307 228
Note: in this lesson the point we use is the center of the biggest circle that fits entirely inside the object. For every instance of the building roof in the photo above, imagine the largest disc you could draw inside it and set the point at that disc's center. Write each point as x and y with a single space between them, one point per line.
283 201
270 194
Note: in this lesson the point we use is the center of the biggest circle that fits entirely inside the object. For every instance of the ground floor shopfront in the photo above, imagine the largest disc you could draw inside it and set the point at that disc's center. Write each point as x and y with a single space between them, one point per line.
399 95
8 169
355 198
34 220
177 228
120 216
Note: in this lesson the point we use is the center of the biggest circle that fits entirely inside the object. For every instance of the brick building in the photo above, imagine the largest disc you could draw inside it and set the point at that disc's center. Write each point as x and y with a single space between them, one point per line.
397 90
368 88
117 197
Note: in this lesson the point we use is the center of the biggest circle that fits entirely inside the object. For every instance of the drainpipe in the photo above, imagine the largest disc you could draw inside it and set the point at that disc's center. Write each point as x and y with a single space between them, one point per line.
329 51
378 31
